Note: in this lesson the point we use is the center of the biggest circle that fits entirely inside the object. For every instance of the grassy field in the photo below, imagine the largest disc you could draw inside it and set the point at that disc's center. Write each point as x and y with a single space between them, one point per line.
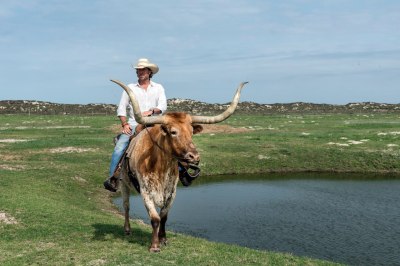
333 143
53 209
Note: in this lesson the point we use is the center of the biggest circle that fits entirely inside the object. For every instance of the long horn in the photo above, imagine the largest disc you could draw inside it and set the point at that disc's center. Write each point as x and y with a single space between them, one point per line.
221 117
136 109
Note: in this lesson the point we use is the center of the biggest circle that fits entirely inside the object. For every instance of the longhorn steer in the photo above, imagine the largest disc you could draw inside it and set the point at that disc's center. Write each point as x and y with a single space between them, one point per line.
153 155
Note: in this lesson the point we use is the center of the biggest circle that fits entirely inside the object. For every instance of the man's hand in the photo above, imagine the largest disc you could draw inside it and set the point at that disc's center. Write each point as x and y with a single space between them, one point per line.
152 111
127 129
147 113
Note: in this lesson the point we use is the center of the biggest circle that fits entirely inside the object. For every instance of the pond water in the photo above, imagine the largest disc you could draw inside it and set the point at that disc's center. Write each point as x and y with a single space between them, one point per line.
348 219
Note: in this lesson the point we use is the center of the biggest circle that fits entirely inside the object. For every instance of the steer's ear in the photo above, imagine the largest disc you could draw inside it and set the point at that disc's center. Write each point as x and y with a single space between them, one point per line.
164 129
197 128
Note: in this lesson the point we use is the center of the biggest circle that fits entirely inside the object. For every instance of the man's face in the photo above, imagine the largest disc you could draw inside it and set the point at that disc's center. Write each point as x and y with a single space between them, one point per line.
143 73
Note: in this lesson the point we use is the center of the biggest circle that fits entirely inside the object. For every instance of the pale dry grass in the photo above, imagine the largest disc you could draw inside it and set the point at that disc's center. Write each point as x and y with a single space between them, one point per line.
349 142
97 262
7 219
10 157
12 167
79 179
14 140
392 145
71 150
42 246
393 133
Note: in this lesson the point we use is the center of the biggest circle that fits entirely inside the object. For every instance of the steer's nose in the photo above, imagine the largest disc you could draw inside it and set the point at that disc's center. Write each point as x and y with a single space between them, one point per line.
192 157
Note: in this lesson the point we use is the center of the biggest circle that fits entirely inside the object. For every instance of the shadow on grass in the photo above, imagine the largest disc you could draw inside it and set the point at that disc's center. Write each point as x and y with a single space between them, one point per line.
137 236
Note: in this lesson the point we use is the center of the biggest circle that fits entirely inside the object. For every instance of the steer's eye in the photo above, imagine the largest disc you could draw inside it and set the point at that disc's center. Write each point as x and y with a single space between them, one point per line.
174 133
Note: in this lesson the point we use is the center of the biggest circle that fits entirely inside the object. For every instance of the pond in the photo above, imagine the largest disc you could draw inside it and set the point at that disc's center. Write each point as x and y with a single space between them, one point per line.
342 218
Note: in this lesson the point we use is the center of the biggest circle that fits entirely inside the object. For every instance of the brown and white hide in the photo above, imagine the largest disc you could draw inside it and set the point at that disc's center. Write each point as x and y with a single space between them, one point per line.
153 156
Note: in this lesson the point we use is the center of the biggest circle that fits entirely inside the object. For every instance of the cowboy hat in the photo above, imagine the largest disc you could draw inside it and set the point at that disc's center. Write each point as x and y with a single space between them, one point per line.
145 63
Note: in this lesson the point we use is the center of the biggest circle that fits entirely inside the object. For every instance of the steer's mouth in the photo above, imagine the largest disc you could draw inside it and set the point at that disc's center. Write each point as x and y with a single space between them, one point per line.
192 157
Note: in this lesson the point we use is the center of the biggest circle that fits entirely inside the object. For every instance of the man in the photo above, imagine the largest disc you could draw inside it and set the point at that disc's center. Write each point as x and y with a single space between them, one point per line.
152 101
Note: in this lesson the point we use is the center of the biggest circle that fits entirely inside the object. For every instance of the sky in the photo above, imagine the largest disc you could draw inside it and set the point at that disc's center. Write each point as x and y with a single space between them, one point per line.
322 51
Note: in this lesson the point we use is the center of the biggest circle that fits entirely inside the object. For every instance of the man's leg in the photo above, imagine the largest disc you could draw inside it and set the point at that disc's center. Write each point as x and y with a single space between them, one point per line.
120 146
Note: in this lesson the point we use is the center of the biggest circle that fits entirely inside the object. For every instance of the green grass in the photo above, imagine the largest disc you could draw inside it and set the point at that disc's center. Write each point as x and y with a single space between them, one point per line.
340 143
65 217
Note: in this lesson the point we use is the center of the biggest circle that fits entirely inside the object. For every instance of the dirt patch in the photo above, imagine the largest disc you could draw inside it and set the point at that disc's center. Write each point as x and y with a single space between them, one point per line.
7 219
71 150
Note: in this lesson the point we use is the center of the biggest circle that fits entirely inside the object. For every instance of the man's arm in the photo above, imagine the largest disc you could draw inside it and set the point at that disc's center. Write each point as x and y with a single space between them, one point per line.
162 102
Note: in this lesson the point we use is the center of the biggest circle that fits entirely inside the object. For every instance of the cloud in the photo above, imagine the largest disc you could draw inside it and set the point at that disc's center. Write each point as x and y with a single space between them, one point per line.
297 43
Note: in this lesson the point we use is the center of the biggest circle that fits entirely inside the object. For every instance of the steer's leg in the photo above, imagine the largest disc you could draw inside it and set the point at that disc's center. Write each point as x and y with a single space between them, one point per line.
155 222
162 236
125 197
155 242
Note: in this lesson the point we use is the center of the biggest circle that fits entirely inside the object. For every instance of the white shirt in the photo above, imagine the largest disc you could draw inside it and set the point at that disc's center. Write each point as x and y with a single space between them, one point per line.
153 97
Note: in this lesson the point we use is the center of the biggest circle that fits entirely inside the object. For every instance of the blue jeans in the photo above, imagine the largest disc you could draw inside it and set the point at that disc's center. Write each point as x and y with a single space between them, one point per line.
119 149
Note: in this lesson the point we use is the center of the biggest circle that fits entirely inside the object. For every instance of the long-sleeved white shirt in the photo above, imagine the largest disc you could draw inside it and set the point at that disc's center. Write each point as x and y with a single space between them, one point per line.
153 97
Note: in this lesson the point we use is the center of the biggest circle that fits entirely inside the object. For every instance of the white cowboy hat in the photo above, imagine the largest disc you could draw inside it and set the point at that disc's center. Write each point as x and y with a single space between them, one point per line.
145 63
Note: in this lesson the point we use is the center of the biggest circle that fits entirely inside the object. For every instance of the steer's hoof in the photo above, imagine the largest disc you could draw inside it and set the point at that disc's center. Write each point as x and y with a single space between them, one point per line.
154 249
163 241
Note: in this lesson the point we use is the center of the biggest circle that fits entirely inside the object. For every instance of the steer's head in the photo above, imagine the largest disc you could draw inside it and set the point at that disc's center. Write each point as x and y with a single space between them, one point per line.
178 131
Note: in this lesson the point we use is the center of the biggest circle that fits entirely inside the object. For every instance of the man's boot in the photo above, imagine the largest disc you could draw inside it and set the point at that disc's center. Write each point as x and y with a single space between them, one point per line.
111 184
